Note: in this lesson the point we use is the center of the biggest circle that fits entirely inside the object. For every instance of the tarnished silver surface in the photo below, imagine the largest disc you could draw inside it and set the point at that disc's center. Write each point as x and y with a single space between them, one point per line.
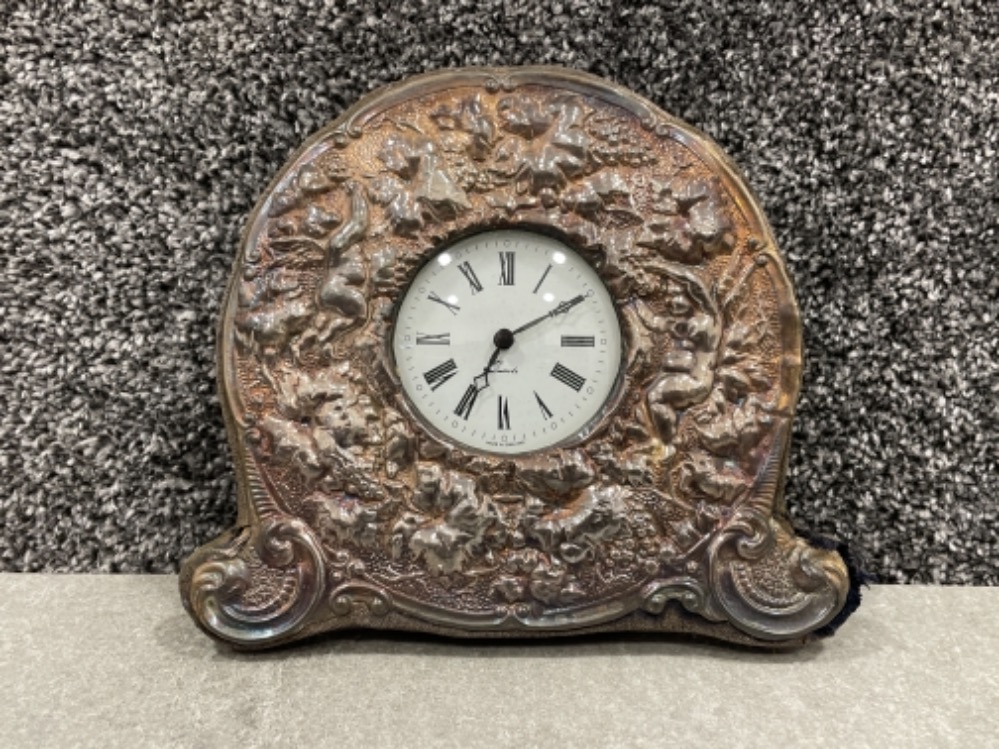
667 516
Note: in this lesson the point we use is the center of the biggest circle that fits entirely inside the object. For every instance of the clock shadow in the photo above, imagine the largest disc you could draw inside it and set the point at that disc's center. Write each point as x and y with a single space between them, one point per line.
389 644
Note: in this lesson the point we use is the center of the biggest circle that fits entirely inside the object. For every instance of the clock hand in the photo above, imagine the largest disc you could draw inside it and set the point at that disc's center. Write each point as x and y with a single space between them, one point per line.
467 401
489 367
560 309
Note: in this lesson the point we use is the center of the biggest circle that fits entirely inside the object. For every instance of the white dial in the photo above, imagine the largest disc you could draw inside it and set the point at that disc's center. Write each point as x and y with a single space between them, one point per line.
507 342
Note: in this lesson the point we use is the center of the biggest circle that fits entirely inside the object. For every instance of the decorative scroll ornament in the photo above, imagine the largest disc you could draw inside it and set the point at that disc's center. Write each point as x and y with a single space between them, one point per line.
666 515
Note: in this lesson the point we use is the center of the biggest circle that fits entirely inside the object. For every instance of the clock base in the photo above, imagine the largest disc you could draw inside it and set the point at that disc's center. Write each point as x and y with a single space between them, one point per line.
223 592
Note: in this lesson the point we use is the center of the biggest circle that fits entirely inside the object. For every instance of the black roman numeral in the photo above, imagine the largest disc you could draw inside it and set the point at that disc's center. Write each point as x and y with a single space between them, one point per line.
434 339
503 412
575 341
546 412
452 307
440 374
567 377
464 408
473 280
506 268
542 279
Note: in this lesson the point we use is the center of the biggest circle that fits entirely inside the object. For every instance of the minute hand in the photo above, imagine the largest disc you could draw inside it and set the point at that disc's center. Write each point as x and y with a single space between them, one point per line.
560 309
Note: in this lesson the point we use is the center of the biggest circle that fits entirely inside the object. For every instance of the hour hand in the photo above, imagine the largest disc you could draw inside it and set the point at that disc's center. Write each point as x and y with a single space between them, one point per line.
479 383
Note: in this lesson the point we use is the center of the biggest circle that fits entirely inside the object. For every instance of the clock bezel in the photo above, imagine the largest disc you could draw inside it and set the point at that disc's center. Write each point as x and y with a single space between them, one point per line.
600 418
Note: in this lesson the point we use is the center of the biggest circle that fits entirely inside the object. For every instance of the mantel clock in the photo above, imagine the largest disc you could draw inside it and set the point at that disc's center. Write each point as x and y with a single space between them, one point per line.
511 352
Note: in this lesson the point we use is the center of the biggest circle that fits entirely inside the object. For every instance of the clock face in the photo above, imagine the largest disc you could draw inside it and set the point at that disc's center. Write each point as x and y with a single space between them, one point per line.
507 342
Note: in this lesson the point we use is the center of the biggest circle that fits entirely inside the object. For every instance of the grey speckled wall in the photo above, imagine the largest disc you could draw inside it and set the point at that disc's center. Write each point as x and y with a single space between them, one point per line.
136 137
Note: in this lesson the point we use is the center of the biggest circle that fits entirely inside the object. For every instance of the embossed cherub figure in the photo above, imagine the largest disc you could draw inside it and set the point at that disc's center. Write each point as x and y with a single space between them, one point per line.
542 165
688 222
274 311
690 320
418 186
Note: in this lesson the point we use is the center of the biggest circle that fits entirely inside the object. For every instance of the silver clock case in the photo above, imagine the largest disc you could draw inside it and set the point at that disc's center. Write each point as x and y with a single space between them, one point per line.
668 516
